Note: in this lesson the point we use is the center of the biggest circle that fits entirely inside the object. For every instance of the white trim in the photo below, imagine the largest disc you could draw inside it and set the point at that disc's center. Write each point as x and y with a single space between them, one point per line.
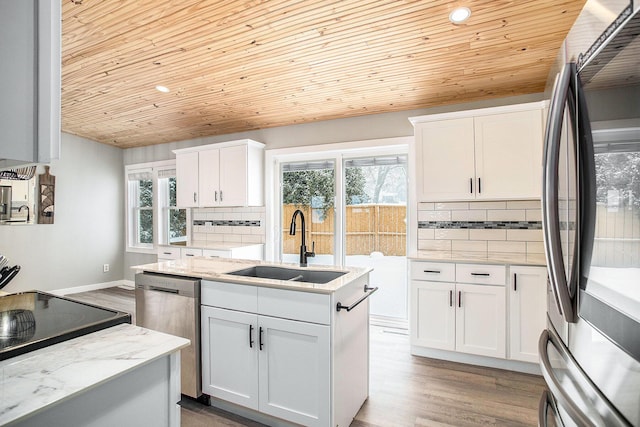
93 287
480 112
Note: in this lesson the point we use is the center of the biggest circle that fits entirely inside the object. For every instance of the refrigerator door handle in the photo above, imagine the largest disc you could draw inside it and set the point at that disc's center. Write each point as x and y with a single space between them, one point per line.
546 401
554 385
551 217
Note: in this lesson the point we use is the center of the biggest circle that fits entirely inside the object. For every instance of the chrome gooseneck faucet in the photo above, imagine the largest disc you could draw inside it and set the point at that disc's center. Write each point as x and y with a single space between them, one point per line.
303 247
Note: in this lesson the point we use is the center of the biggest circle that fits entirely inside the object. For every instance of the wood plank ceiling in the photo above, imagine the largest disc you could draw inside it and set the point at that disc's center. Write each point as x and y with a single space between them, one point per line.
236 65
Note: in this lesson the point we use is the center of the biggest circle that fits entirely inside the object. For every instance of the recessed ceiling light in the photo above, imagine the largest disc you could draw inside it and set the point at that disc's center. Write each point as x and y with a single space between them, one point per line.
459 15
162 89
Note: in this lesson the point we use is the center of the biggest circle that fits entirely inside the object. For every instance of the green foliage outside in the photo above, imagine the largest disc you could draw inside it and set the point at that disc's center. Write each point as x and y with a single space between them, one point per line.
618 172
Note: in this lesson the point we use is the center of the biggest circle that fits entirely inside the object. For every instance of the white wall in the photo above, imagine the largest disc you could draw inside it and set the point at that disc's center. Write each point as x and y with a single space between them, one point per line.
88 229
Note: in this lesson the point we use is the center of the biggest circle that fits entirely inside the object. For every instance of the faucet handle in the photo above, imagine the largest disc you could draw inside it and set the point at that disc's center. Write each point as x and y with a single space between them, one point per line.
313 250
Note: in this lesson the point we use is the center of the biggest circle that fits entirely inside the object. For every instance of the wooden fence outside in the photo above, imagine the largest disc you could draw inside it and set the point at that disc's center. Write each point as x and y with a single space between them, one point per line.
369 228
617 237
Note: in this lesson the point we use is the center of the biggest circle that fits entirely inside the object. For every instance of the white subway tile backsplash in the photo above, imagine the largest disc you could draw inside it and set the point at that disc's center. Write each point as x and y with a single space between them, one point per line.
523 204
534 214
233 238
215 238
535 247
509 247
451 234
426 206
469 245
468 215
451 206
434 245
506 215
487 205
252 238
525 235
434 216
426 233
479 234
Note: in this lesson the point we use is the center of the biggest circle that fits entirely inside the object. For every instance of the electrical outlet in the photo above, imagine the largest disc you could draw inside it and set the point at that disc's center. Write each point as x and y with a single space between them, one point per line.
105 268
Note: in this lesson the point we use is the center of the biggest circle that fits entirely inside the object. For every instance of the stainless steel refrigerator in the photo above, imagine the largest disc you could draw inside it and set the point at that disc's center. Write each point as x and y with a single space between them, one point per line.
590 352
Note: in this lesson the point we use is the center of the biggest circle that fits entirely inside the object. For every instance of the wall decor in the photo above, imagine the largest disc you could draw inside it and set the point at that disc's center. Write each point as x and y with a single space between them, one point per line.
46 187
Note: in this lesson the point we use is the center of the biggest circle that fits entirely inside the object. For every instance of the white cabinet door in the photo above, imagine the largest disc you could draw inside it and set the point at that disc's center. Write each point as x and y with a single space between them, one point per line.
209 177
233 176
295 371
230 356
187 180
433 313
445 151
508 149
481 320
527 311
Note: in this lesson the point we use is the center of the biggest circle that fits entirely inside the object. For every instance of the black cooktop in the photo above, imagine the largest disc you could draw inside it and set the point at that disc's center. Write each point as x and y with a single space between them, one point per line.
33 320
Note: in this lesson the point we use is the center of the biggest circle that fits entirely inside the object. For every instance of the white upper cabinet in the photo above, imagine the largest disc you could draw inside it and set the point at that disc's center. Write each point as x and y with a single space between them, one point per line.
226 174
30 40
488 154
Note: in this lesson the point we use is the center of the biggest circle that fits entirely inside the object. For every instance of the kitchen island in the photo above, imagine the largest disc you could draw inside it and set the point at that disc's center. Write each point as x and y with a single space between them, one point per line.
123 375
281 350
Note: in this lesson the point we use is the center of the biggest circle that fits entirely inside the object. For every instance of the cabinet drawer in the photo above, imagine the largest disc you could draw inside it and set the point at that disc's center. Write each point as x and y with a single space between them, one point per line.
295 305
229 295
216 253
433 271
189 252
481 273
168 252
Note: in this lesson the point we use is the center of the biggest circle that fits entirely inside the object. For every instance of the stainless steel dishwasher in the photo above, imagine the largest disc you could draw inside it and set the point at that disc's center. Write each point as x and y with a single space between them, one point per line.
171 304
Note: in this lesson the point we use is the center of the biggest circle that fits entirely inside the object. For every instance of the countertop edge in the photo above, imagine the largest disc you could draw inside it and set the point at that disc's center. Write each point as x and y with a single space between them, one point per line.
147 352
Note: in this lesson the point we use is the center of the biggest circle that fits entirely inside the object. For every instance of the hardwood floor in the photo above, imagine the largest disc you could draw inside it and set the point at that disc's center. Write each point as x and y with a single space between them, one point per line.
405 390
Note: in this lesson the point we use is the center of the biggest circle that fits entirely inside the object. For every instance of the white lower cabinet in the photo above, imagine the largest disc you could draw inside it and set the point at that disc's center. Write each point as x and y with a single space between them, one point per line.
527 311
276 366
271 350
486 316
468 318
294 370
433 315
481 320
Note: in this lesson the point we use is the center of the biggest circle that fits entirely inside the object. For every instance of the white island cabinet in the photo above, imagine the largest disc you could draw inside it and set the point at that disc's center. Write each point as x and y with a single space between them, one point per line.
119 376
284 353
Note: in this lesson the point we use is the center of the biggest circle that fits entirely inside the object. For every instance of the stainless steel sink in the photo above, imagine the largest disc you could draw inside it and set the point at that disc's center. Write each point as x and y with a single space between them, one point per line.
292 274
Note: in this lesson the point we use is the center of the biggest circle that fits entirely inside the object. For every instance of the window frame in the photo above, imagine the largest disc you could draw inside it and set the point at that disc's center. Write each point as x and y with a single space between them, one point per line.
160 213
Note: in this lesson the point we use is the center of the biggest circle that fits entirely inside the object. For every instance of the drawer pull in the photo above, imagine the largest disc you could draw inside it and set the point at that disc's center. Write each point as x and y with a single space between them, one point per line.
481 274
167 253
189 255
432 271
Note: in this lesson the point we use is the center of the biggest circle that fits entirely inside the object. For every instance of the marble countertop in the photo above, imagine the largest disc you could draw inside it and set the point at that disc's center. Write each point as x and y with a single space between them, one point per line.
481 257
218 269
42 378
222 246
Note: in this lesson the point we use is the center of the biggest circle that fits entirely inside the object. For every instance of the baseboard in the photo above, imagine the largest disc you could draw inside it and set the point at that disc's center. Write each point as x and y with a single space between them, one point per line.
129 284
470 359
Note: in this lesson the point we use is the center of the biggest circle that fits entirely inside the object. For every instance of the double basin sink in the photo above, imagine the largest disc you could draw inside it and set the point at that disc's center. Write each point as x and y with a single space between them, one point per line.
289 274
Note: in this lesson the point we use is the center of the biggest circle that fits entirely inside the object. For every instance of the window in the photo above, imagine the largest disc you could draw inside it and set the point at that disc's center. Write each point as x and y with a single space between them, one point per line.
152 215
